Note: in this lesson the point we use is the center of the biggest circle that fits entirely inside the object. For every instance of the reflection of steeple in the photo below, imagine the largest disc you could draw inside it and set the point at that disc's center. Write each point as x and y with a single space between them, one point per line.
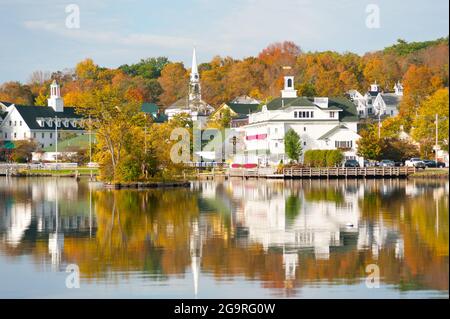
196 253
56 239
290 262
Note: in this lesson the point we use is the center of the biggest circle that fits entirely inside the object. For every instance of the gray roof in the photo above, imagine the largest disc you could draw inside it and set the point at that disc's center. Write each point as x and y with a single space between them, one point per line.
333 130
31 113
391 99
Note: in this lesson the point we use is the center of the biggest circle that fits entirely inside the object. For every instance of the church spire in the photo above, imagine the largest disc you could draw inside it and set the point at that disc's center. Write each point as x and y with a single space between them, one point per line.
194 69
194 83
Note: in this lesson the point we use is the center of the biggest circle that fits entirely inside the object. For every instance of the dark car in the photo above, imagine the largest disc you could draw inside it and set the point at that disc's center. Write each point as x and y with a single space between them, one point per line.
351 163
432 163
387 163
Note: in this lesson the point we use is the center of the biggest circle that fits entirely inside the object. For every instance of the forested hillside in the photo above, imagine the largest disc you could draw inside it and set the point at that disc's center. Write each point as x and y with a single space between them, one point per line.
421 66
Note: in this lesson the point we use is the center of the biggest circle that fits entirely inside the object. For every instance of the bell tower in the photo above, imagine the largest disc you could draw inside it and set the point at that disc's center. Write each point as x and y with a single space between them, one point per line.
289 91
55 101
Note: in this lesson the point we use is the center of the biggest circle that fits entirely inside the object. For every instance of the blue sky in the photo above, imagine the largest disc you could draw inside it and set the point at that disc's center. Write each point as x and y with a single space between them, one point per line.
115 32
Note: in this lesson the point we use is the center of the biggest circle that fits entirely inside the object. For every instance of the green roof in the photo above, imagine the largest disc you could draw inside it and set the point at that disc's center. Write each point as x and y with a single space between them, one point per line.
149 107
153 109
9 145
348 113
80 141
31 113
243 109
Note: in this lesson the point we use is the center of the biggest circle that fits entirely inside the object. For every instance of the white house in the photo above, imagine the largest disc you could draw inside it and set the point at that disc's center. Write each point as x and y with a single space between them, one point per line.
40 123
376 102
192 104
321 123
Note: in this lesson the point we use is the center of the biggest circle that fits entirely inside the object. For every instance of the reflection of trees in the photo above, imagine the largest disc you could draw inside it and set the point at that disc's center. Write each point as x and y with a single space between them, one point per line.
425 236
146 231
149 231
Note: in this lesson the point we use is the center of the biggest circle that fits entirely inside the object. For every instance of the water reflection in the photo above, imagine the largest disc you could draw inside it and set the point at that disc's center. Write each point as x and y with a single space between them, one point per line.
285 235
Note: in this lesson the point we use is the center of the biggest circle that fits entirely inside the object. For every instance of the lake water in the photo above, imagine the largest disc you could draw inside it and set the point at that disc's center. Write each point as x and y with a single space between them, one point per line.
225 239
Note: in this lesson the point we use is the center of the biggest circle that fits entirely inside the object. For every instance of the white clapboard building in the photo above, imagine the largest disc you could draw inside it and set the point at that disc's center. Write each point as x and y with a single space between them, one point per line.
321 122
377 103
40 123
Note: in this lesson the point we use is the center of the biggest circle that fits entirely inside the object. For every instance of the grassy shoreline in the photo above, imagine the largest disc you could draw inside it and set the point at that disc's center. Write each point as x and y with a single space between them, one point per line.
431 173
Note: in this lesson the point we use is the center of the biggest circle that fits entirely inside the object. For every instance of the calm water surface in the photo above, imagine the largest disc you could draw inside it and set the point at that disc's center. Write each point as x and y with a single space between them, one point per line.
230 239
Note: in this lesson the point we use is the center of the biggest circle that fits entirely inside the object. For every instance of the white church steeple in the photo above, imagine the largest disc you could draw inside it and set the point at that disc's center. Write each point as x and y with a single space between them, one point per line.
194 83
55 101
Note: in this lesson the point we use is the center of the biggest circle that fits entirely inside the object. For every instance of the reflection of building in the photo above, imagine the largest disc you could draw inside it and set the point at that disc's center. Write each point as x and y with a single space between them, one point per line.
195 246
55 248
17 219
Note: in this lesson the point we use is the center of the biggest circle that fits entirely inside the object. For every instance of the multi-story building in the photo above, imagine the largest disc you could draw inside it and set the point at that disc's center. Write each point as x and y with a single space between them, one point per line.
43 124
377 103
321 123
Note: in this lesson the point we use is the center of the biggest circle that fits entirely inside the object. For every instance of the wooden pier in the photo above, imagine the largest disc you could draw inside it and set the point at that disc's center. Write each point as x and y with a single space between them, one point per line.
326 172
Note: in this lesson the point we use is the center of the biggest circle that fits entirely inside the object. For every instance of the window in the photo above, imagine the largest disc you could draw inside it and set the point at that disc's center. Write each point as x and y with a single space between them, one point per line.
343 144
10 123
51 135
304 129
15 135
295 114
331 114
15 123
369 110
276 144
24 135
34 135
289 83
312 114
20 123
392 112
307 114
304 143
6 136
43 135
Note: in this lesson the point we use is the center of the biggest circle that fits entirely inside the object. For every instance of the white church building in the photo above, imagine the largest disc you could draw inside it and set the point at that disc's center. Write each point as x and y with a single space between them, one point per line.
321 122
192 104
43 124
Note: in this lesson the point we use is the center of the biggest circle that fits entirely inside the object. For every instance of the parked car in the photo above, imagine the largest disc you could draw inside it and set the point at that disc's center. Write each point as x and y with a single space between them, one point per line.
387 163
368 163
415 162
398 164
432 163
351 163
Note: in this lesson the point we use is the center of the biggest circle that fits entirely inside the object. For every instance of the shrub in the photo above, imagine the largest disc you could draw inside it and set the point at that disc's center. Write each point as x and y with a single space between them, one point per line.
323 158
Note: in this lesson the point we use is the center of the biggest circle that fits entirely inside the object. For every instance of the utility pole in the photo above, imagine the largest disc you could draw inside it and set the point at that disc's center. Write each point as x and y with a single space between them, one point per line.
436 146
379 124
56 139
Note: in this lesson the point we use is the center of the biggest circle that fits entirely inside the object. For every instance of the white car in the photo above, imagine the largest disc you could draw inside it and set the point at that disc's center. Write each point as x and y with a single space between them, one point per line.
415 162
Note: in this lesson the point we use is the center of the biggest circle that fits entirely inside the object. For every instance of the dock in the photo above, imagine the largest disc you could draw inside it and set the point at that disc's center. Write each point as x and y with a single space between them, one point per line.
311 173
